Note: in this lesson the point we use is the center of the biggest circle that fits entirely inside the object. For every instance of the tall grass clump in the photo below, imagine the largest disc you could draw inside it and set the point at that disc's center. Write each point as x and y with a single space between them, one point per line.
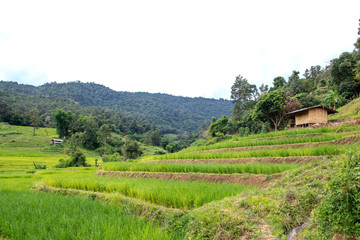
253 168
176 194
30 215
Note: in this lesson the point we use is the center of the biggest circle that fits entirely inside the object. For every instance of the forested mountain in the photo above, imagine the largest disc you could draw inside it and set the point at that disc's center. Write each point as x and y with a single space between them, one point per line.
166 112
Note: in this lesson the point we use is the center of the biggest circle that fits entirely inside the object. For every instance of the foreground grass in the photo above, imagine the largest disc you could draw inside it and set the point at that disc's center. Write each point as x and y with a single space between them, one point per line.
254 168
176 194
30 215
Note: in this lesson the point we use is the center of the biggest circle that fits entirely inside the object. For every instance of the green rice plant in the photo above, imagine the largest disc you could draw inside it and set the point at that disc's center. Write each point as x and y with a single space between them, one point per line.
267 142
31 215
176 194
253 168
273 137
323 150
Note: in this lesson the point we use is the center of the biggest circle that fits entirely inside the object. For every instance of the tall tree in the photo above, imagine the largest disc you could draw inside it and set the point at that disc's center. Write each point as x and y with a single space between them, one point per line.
62 122
278 82
274 105
34 119
333 97
131 148
104 134
241 93
263 89
5 112
220 126
343 74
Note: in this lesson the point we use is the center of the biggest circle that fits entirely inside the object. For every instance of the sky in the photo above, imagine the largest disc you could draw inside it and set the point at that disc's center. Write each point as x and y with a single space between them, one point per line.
192 48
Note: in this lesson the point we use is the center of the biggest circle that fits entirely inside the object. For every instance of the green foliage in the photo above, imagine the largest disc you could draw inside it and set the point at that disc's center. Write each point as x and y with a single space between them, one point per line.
339 212
63 120
333 98
38 166
77 159
343 75
129 112
219 127
153 138
272 106
278 83
131 149
307 100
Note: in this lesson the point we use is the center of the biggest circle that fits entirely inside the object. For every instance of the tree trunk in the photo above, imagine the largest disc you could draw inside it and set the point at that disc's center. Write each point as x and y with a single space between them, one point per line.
105 148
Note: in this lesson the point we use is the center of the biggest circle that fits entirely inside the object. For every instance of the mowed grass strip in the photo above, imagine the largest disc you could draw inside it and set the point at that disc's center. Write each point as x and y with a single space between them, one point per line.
324 150
175 194
253 168
31 215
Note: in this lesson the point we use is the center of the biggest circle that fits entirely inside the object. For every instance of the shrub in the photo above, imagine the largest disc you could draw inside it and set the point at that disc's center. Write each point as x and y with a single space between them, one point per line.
339 212
77 160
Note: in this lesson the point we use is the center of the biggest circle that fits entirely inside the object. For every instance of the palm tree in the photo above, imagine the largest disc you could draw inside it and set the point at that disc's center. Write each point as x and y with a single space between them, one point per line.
333 97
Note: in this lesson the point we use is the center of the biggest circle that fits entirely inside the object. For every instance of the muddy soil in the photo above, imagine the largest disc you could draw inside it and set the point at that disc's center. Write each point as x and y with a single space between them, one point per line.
254 180
298 160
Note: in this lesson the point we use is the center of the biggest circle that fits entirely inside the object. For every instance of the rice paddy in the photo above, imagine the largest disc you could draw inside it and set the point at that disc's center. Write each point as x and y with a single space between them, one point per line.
325 150
25 214
30 215
174 194
253 168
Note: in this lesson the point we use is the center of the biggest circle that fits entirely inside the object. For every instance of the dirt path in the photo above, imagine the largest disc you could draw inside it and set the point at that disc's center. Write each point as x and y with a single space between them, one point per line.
299 160
254 180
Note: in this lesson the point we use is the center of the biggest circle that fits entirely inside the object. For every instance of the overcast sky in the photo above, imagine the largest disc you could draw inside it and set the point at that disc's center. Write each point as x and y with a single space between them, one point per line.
185 47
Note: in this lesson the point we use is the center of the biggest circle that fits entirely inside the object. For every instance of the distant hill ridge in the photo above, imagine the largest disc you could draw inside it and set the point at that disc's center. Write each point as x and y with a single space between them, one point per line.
167 112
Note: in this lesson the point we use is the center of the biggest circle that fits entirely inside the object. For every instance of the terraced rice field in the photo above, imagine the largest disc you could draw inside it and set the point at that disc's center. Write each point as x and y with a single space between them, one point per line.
262 158
156 187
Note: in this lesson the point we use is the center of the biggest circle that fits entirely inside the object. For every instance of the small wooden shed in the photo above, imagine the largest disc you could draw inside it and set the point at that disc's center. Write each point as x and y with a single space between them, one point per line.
57 142
311 115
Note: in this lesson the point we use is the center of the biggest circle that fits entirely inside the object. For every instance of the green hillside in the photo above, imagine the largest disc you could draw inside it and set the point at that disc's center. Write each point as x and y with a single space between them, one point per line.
167 112
348 112
254 187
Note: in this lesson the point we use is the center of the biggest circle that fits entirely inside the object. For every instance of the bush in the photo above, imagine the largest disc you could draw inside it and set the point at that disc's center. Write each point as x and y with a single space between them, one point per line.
77 160
339 212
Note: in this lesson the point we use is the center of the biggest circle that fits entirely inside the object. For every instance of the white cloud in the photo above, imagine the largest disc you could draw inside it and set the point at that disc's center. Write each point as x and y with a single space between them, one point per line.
188 48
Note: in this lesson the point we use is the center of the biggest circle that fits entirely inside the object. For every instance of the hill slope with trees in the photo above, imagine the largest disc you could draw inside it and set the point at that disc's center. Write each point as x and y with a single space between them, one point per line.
169 113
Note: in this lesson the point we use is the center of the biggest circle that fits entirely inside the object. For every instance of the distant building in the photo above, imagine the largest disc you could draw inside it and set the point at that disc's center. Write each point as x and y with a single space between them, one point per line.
309 116
57 142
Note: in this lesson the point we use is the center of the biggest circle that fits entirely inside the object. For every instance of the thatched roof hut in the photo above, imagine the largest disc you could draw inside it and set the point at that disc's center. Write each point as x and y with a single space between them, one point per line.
57 142
311 115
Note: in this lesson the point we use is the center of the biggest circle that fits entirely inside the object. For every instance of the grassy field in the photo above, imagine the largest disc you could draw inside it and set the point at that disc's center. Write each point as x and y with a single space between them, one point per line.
347 112
19 148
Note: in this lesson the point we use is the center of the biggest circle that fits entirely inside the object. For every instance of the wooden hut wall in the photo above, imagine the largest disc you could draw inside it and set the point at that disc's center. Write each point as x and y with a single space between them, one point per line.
318 115
301 118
